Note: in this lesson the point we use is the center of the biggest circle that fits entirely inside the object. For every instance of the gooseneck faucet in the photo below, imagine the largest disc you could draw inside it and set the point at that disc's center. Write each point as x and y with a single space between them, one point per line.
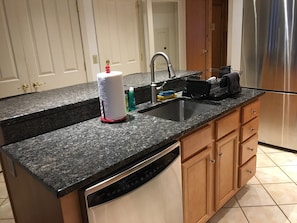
171 74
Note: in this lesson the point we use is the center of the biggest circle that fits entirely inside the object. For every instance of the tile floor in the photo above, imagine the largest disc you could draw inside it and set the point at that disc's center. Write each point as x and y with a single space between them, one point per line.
271 196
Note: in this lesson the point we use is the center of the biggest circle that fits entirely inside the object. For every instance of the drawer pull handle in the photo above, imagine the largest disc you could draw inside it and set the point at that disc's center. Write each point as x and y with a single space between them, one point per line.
249 171
253 129
254 111
212 161
251 149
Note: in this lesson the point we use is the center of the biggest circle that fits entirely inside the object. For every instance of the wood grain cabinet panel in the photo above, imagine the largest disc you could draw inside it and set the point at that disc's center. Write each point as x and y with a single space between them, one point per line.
250 111
226 168
198 186
227 124
248 149
249 129
196 141
247 171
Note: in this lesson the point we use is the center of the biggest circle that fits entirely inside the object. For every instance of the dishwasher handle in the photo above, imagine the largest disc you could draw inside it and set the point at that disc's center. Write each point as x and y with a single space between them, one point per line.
132 178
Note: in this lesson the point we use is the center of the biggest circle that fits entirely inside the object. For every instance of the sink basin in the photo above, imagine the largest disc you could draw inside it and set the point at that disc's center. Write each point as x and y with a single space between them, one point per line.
178 110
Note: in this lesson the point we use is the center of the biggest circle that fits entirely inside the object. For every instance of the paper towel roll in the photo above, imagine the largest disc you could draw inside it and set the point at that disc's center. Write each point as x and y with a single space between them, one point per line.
111 96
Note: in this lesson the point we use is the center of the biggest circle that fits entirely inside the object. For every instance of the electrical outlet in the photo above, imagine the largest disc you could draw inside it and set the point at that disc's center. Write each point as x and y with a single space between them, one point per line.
95 59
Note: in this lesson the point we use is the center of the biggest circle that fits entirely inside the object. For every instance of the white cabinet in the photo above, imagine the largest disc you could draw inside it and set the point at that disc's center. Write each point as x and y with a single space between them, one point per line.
41 46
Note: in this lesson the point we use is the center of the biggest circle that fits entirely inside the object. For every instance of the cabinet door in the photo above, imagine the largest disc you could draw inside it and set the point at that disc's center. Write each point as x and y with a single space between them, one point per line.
226 168
198 186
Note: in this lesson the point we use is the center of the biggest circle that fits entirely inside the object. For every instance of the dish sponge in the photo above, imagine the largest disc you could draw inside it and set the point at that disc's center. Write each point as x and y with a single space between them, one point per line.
163 95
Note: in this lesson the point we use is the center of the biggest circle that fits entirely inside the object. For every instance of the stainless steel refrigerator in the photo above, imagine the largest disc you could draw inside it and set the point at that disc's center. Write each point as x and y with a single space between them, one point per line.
269 62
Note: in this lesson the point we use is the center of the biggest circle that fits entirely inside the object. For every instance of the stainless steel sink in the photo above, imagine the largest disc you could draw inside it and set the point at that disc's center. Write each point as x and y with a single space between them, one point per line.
178 110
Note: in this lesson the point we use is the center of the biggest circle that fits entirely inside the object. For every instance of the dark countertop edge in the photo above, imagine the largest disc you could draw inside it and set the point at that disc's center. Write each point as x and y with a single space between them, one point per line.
47 112
111 170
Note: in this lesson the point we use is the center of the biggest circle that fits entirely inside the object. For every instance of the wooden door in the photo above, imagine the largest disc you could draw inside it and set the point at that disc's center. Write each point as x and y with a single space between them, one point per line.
117 30
42 45
219 34
198 35
198 186
226 168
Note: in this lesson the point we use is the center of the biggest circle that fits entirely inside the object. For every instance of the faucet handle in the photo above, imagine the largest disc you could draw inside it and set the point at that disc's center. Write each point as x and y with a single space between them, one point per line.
162 86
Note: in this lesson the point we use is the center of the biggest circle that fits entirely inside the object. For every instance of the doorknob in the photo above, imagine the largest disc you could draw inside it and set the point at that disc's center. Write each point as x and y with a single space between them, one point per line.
24 87
204 51
36 85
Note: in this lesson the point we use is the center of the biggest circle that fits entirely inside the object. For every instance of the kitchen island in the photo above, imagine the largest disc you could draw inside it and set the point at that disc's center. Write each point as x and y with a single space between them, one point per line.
44 173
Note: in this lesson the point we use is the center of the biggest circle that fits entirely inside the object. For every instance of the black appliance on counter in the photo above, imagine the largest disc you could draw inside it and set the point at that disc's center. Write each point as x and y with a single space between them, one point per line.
214 88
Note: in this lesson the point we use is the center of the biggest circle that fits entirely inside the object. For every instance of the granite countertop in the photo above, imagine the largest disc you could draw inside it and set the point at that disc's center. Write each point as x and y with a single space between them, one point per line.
33 114
28 105
75 156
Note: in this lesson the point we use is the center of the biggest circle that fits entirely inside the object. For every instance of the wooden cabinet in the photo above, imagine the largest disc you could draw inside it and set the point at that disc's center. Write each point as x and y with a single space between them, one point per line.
226 149
217 160
226 168
198 175
248 141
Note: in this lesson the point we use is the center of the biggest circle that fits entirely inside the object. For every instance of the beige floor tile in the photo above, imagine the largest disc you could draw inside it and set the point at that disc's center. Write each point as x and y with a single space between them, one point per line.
267 149
229 215
259 150
254 180
271 175
284 158
290 211
271 214
283 193
291 171
264 161
2 200
5 210
3 190
232 203
2 178
253 195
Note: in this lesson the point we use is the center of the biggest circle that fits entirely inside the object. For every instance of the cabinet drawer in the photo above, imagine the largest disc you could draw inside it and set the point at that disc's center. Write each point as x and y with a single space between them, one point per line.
250 111
247 171
249 129
248 149
227 124
197 141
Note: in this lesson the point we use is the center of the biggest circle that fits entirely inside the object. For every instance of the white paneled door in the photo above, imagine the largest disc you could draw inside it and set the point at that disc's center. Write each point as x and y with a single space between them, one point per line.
117 27
41 46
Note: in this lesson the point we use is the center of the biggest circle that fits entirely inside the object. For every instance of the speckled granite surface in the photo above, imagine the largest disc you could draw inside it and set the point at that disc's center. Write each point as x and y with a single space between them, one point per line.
29 115
75 156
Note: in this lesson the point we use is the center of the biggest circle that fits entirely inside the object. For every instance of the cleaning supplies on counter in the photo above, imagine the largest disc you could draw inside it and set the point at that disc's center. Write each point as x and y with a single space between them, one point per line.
111 96
131 99
164 95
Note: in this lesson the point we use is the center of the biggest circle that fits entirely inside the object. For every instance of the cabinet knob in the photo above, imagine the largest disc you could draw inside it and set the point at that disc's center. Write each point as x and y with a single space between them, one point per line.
254 111
220 154
212 161
253 129
251 149
249 171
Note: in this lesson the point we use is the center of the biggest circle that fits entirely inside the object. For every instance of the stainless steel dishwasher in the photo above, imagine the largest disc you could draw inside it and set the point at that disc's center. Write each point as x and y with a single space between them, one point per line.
149 191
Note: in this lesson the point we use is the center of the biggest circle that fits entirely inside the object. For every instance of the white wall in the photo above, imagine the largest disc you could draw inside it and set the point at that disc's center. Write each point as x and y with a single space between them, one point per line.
234 33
